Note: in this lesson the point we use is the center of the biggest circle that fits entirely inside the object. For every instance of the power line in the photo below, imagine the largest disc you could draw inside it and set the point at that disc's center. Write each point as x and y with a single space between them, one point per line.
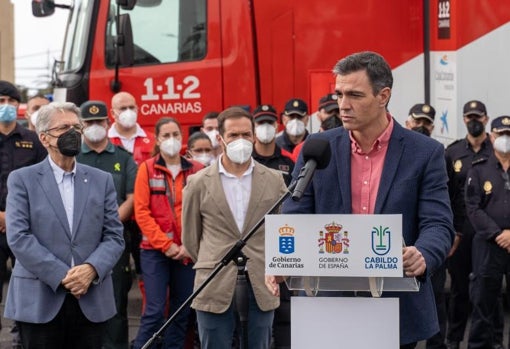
45 53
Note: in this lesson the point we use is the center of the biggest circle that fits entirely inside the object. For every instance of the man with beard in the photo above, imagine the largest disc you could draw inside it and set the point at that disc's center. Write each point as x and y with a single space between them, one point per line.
97 151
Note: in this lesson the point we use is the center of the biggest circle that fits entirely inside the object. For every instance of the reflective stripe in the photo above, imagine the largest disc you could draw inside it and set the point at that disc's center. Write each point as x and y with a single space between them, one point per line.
156 183
170 235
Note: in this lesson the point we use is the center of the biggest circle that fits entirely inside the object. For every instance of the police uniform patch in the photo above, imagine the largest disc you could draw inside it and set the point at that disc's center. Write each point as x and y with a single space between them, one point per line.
24 144
295 104
94 110
265 108
473 105
425 108
506 121
487 186
457 166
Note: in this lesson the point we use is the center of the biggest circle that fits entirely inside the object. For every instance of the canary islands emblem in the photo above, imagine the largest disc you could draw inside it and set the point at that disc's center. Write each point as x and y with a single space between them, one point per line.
381 240
286 245
333 241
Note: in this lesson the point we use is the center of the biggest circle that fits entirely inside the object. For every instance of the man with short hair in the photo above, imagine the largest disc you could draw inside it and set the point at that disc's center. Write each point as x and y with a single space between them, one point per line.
294 118
421 119
328 107
34 103
126 131
97 151
210 128
64 229
221 204
378 167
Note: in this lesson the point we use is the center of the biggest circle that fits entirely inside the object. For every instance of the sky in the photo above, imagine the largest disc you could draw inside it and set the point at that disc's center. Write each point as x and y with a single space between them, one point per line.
37 41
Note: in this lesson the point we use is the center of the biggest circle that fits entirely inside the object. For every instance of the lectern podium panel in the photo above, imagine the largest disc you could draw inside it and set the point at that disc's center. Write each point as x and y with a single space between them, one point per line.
376 285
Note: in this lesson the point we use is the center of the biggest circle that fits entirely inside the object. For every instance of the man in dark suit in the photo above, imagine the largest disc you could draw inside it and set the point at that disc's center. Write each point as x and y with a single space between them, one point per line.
378 167
64 230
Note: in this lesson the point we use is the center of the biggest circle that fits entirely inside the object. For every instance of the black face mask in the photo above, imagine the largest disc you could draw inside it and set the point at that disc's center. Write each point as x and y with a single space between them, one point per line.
475 127
422 130
69 143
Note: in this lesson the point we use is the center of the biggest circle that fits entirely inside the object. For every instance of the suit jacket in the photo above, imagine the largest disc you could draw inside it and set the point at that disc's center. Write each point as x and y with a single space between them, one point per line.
413 183
38 234
209 231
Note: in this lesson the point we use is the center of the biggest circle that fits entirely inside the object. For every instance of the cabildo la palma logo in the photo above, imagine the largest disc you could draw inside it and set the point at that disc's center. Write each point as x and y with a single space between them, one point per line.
381 245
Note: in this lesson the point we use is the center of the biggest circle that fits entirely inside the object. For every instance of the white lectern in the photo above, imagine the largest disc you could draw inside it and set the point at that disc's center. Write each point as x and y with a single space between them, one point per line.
327 254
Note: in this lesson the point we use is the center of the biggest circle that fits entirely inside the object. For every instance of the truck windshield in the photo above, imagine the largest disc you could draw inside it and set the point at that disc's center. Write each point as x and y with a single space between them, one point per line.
164 32
78 29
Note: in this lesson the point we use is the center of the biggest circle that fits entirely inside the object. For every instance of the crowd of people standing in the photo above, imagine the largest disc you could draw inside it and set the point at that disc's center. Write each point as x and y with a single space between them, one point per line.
167 212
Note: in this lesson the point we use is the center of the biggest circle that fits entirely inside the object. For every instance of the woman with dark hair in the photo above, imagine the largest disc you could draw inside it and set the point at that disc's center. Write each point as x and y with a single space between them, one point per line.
166 266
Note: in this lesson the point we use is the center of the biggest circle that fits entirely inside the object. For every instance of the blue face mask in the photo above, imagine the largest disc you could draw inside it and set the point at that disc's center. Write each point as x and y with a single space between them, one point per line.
7 113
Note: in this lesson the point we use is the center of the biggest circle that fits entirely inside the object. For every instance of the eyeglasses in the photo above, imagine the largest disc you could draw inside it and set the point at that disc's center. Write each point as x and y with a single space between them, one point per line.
65 128
506 178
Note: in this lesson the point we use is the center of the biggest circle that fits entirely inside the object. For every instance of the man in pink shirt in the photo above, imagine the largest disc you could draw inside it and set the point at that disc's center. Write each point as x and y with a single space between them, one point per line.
378 167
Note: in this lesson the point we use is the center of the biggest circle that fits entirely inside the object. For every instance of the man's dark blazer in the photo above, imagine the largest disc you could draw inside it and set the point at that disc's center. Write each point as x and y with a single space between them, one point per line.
413 183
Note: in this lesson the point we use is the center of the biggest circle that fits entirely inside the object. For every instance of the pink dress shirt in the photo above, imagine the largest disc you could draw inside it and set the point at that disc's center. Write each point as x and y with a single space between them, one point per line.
366 171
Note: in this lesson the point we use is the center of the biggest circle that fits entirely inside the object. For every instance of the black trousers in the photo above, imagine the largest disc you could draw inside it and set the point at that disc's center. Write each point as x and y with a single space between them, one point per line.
69 329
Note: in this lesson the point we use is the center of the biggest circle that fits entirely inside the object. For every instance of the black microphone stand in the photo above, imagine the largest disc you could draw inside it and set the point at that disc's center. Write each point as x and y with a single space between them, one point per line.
232 256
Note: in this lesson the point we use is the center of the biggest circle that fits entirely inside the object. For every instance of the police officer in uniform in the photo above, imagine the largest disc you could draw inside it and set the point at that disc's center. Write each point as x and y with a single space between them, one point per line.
97 151
460 155
488 209
19 147
294 118
265 150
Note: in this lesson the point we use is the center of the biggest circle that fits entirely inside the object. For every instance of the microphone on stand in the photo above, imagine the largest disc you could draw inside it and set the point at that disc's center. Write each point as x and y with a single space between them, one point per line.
316 155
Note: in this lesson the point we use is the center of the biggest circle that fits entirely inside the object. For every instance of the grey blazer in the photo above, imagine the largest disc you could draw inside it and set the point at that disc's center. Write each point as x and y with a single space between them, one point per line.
38 235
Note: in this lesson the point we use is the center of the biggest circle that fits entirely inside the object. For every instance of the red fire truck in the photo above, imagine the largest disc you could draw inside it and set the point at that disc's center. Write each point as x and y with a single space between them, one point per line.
186 57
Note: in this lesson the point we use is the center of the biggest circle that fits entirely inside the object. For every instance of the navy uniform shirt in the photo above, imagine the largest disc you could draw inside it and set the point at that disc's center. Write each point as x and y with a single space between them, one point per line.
18 149
115 160
460 157
278 162
488 198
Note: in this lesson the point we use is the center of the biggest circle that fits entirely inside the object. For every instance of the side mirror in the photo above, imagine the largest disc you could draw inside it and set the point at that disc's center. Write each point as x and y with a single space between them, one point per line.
124 42
43 8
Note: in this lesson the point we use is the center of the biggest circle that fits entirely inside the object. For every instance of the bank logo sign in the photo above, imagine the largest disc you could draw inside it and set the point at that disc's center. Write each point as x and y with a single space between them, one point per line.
334 245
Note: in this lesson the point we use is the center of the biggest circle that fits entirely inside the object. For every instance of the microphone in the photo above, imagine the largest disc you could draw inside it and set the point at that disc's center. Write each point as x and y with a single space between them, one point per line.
316 154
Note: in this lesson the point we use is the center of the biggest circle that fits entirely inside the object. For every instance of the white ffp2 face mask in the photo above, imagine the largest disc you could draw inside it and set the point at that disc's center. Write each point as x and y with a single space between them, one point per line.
239 151
502 144
94 133
265 133
171 146
212 136
128 118
295 127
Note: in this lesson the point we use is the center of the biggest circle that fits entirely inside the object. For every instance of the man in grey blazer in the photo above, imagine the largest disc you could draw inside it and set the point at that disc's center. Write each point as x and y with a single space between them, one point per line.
220 205
64 230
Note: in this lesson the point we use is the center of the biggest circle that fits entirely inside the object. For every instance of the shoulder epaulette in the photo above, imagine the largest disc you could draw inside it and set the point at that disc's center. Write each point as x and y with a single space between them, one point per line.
454 142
